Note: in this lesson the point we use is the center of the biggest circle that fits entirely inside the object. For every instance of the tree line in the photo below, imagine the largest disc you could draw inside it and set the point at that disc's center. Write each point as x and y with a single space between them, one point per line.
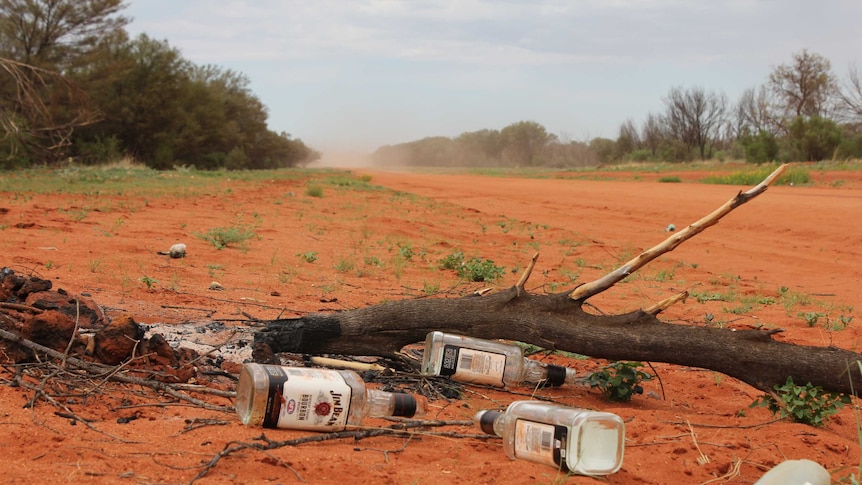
801 113
75 86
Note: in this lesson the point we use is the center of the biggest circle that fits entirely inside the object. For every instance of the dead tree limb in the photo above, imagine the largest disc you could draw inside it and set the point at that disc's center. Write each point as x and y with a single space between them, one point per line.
558 321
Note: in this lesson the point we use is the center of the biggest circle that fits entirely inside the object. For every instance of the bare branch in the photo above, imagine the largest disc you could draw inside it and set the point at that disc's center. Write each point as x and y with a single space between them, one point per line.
595 287
527 272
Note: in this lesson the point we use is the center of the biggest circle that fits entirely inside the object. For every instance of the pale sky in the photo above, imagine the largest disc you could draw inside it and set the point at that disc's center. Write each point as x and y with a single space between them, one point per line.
355 74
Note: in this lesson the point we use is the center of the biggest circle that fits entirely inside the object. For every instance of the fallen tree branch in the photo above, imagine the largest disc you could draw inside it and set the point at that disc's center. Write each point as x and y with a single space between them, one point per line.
559 322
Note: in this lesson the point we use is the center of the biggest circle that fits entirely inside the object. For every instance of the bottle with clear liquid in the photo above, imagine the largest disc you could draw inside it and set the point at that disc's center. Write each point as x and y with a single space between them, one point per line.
276 396
570 439
479 361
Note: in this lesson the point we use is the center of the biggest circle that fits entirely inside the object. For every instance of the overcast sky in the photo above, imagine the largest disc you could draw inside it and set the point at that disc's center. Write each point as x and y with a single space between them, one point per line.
355 75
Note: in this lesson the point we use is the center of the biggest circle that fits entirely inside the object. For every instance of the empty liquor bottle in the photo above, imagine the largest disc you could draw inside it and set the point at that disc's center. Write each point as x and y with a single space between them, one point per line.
570 439
478 361
275 396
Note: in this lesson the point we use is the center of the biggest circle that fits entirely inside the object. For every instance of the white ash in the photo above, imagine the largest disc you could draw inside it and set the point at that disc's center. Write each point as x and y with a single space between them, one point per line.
207 337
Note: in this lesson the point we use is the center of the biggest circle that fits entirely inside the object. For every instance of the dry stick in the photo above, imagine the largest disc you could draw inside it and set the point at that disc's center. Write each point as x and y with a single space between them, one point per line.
170 389
732 473
40 392
395 429
724 426
201 422
21 308
701 459
595 287
660 383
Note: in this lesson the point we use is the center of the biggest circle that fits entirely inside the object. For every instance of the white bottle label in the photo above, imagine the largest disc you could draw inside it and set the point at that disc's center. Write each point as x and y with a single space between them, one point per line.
476 366
312 399
540 442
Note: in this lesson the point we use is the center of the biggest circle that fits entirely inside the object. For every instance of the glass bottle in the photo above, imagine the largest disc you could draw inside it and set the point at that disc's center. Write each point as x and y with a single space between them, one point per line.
576 440
474 360
276 396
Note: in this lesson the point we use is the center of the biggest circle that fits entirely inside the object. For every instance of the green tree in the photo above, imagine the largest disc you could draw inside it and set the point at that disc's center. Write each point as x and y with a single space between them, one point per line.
814 138
524 140
760 148
56 34
43 43
480 147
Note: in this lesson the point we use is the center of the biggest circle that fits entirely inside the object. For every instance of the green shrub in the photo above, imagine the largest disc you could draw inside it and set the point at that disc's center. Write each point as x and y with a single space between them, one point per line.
814 138
478 269
314 191
760 148
673 179
308 257
453 261
791 176
222 237
619 381
806 404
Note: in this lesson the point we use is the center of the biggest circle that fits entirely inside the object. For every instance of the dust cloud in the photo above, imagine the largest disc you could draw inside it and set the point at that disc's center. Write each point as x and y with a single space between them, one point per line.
343 159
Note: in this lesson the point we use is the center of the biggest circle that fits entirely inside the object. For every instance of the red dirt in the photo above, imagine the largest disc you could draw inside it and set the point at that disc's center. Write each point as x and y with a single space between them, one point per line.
806 239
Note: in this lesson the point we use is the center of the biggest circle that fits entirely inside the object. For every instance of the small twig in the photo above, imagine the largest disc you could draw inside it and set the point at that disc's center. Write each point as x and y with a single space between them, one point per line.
21 308
701 459
197 423
660 383
100 369
724 426
732 473
395 429
40 392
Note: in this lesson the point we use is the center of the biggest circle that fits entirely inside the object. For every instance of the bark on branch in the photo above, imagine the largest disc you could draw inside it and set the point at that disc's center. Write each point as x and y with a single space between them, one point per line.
558 321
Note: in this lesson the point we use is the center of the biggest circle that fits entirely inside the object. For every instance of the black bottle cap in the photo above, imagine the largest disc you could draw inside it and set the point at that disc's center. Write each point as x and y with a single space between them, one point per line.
486 421
405 405
556 375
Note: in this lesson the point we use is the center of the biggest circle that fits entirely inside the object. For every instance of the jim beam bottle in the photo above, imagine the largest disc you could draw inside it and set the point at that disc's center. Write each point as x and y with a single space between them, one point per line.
479 361
275 396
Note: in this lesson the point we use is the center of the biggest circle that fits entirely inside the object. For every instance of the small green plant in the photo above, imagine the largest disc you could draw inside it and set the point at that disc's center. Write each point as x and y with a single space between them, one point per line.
669 179
811 318
453 261
149 282
344 265
213 269
405 250
430 288
222 237
806 404
93 264
308 257
372 261
619 381
314 191
478 269
49 265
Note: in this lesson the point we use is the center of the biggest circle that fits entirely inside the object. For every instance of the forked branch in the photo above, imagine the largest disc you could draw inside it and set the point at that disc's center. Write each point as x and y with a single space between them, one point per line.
595 287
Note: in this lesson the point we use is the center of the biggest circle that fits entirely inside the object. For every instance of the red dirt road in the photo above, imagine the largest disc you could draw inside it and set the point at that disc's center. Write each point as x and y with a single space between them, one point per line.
692 427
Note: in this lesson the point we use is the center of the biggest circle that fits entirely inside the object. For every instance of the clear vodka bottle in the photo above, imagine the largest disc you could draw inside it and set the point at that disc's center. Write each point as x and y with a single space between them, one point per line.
570 439
275 396
479 361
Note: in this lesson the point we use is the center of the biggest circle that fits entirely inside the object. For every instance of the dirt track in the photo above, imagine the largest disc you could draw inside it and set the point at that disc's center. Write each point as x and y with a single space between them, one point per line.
806 239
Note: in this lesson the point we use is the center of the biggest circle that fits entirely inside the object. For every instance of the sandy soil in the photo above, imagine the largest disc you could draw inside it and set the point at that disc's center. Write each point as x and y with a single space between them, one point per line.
694 426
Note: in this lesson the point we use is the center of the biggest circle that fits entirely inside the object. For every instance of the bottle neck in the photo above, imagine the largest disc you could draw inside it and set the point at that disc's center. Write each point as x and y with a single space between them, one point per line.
490 422
547 374
383 404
